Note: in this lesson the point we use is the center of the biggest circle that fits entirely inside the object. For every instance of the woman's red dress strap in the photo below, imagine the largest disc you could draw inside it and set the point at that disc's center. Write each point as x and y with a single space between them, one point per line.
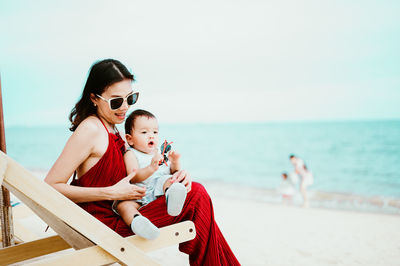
103 125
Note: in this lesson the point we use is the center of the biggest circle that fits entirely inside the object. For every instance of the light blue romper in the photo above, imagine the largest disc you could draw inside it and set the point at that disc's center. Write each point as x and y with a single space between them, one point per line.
154 183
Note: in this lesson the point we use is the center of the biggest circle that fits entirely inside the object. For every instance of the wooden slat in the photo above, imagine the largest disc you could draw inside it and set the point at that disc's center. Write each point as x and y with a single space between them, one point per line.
169 235
32 249
36 192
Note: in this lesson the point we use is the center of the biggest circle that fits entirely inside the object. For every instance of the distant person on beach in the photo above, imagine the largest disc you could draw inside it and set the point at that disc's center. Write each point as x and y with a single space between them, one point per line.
306 177
95 152
287 189
141 128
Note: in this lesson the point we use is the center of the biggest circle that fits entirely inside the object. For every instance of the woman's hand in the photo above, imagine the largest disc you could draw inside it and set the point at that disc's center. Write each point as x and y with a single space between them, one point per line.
124 190
183 177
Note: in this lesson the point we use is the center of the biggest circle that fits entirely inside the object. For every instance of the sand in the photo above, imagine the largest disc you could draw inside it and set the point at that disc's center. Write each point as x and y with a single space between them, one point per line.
266 234
262 233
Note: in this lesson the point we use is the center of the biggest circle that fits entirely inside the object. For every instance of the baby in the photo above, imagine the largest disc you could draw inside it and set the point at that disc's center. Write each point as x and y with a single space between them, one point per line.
152 172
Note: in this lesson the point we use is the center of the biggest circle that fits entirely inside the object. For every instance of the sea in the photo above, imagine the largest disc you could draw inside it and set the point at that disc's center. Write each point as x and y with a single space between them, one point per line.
356 164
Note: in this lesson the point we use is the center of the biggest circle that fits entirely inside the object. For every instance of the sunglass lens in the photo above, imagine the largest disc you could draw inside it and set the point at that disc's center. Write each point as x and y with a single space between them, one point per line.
132 99
116 103
168 148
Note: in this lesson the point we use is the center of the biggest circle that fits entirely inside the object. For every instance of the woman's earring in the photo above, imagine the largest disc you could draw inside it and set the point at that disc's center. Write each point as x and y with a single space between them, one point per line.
94 104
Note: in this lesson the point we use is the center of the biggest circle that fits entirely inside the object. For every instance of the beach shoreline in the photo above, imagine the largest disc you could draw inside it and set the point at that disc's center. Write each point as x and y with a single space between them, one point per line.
318 199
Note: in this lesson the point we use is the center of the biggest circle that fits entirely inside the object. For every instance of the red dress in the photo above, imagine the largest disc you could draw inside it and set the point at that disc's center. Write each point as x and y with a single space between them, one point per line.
209 247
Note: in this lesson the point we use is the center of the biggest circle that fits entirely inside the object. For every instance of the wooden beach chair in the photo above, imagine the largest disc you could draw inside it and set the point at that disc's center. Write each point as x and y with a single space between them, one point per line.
94 242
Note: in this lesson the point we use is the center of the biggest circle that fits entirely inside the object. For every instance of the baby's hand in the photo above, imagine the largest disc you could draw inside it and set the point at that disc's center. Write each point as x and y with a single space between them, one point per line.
157 158
174 156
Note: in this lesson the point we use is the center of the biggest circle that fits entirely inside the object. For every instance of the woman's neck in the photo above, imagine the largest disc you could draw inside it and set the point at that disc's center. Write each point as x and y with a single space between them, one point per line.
111 127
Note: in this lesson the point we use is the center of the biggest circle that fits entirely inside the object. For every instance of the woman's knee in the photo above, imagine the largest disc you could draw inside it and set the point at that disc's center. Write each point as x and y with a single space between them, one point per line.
198 193
198 188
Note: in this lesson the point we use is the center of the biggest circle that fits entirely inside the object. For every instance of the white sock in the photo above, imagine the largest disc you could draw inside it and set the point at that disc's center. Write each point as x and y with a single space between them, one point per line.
175 197
142 226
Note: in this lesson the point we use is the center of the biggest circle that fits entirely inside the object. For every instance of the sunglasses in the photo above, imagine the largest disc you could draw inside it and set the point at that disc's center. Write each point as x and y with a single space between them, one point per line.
165 148
117 102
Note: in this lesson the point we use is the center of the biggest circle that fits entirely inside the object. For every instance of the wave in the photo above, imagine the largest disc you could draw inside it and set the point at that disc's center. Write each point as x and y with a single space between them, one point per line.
318 199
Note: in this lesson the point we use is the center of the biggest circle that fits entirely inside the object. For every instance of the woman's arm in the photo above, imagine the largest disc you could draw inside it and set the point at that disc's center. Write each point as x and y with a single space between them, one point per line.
78 150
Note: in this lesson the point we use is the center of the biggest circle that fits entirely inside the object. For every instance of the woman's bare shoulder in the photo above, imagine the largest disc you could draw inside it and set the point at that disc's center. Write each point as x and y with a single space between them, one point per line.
89 128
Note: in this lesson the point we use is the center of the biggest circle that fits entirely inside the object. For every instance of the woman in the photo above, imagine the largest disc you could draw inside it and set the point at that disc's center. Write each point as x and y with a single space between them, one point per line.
95 153
307 178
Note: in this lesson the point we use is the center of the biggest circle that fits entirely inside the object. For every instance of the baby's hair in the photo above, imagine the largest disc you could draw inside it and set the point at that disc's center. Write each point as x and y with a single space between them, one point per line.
130 121
285 175
291 156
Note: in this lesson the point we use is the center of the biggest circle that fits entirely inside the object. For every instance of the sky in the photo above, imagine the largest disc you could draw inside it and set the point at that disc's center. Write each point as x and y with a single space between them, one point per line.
206 61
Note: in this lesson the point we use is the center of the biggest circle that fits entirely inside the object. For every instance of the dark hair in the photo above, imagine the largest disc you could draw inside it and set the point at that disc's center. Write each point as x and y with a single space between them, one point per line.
284 174
102 74
291 156
130 121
